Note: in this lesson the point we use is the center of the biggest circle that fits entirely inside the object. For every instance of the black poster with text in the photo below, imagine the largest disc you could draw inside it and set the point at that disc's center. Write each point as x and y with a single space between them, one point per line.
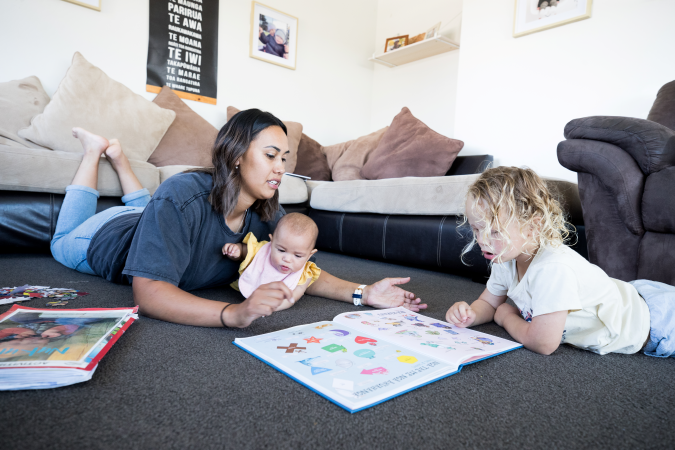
183 48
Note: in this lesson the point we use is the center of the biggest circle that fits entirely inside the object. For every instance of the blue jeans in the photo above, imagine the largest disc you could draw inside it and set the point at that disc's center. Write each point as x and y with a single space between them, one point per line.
78 223
660 299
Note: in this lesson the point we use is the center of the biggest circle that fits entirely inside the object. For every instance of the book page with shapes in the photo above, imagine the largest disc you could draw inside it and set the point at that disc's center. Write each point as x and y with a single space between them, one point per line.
426 335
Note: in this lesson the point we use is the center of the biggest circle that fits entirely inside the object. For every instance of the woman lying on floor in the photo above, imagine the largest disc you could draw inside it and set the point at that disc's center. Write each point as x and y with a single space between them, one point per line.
172 243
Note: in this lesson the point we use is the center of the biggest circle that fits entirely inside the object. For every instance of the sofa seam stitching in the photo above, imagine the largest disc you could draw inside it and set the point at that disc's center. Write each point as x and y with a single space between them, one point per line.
384 237
440 234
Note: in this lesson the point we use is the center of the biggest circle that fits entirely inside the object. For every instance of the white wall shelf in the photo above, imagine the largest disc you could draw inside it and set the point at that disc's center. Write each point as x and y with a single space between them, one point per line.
413 52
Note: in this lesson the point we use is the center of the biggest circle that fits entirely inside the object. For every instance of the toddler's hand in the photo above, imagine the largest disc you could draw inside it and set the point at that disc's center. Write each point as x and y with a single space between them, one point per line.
461 315
232 251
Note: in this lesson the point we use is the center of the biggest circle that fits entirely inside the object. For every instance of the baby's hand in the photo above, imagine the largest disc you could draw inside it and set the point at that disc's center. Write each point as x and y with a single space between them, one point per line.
232 251
461 315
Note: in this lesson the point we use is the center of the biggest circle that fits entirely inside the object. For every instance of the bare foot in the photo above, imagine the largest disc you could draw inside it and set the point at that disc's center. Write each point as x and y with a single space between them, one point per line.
114 152
91 142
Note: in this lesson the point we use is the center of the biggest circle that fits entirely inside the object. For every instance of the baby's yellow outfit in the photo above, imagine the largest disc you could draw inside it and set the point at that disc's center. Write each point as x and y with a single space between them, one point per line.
260 272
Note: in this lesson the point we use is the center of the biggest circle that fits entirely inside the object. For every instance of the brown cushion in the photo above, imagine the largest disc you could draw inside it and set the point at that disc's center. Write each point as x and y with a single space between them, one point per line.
20 101
346 159
311 160
189 140
409 148
294 133
88 98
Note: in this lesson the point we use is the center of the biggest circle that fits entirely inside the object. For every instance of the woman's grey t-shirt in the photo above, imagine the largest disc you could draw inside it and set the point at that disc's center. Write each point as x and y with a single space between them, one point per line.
178 238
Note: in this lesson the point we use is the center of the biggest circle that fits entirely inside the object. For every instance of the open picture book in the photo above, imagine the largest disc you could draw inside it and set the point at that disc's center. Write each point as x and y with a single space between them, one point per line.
360 359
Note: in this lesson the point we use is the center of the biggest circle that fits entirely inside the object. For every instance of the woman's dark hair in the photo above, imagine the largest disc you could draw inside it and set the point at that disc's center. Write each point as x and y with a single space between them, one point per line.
232 142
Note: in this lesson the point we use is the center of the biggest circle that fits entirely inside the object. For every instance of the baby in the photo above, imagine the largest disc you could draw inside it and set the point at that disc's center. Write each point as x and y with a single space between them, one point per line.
560 297
285 258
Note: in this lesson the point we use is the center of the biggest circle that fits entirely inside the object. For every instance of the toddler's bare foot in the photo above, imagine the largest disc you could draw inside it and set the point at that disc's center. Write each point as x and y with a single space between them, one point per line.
91 142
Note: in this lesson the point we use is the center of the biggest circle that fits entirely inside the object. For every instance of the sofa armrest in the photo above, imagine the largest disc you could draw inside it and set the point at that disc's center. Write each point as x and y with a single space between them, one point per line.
617 171
652 145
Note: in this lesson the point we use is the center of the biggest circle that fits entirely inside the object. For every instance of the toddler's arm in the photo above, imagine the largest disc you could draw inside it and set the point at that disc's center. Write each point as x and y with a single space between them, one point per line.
542 335
481 310
236 252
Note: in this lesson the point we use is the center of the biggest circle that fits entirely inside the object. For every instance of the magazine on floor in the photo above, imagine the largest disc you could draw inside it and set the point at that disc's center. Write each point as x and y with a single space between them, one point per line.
46 348
360 359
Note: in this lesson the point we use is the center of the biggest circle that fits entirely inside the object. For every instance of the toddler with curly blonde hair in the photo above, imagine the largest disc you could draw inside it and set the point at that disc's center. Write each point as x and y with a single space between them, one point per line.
560 296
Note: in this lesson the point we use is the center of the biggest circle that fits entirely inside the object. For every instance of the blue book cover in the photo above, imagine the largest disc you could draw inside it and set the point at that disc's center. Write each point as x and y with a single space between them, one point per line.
358 360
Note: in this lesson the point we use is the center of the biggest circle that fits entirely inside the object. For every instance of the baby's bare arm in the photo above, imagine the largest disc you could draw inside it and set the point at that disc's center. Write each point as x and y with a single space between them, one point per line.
298 292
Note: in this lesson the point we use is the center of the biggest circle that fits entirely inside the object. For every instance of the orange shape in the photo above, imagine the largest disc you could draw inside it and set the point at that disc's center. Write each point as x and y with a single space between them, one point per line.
313 340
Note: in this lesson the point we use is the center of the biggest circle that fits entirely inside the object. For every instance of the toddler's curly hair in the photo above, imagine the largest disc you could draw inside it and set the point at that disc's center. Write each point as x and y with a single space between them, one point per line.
503 195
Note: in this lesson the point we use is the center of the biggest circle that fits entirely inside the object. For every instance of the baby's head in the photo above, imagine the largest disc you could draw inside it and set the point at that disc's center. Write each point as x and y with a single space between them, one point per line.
512 212
293 242
280 37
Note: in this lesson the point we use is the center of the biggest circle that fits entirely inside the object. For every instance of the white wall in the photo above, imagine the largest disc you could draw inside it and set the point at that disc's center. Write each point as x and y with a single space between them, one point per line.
428 86
329 92
516 95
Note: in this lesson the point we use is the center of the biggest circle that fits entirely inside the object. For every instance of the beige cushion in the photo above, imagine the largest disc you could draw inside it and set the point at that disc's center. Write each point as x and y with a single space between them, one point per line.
411 195
20 101
169 171
88 98
189 139
294 134
292 190
347 159
39 170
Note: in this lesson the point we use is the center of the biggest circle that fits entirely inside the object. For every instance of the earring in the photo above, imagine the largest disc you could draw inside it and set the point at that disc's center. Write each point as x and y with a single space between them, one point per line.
236 167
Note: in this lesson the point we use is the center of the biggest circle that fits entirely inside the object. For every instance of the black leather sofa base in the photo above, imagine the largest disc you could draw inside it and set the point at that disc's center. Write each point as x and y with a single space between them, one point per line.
432 242
28 219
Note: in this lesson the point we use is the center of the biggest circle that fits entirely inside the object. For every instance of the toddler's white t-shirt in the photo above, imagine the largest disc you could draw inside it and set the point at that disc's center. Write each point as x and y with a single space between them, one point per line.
605 315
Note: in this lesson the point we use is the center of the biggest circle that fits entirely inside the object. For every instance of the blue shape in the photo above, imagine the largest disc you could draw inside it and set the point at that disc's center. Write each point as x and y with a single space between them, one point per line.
440 325
450 331
365 354
318 370
308 361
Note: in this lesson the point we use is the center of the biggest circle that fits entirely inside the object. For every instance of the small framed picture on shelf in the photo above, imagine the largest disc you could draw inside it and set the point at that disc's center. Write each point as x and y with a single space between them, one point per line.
418 38
433 31
91 4
394 43
532 16
274 36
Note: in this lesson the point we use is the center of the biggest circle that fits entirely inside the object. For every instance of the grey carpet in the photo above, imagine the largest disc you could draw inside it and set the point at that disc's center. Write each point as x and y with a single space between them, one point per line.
173 386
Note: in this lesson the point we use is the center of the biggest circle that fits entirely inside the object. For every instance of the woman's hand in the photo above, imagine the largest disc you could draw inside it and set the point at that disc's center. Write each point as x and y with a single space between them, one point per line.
503 311
461 315
385 294
262 302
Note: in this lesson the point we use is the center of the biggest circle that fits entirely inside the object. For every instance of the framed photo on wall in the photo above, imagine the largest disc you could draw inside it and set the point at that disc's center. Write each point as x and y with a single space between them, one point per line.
92 4
394 43
274 36
538 15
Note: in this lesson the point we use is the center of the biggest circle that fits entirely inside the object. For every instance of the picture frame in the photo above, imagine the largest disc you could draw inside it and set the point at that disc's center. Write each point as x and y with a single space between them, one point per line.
433 31
265 44
91 4
532 16
396 42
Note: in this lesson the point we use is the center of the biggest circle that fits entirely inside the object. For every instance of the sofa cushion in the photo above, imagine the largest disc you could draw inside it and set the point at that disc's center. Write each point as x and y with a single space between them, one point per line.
348 158
311 160
88 98
20 101
42 170
409 148
294 133
411 195
189 140
663 109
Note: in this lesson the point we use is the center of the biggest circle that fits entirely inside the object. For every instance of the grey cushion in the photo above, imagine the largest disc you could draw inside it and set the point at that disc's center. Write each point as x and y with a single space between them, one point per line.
658 202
